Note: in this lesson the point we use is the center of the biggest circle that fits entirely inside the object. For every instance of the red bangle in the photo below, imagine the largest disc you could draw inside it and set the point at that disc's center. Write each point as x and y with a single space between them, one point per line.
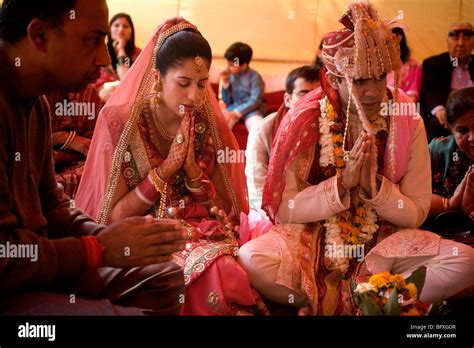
94 252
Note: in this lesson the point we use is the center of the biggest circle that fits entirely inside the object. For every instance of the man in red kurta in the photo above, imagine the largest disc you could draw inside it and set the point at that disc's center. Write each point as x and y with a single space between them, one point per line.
52 256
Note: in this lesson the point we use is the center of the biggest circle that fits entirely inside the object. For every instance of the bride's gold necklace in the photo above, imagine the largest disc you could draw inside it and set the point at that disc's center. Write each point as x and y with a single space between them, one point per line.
161 129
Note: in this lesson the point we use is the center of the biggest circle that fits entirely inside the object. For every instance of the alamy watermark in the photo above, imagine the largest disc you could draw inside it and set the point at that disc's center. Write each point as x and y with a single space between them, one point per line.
391 108
356 251
28 330
19 251
227 155
68 108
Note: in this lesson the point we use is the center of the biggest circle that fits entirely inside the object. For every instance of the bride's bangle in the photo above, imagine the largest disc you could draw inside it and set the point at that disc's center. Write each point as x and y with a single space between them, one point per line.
197 179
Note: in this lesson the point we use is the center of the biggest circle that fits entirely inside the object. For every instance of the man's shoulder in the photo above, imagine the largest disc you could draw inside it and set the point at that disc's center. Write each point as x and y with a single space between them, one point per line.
436 60
265 123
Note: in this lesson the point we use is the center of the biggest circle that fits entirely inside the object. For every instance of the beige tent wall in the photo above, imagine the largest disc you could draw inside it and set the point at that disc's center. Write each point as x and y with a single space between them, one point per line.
286 33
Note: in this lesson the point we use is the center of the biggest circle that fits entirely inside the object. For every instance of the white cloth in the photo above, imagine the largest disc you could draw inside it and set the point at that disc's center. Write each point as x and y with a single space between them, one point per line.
257 157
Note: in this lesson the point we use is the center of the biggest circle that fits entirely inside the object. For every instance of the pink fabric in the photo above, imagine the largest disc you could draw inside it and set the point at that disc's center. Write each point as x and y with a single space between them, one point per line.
205 296
405 127
252 225
410 78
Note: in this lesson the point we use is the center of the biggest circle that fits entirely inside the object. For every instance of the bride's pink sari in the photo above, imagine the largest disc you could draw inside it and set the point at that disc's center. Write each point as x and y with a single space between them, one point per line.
124 144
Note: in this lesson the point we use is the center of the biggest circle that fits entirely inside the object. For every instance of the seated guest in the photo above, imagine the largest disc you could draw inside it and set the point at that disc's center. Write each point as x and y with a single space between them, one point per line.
452 158
73 118
242 87
58 250
299 82
343 176
122 51
410 73
445 73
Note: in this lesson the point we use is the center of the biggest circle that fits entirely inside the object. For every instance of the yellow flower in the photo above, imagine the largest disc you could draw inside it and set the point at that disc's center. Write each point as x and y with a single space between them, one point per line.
332 115
412 290
380 280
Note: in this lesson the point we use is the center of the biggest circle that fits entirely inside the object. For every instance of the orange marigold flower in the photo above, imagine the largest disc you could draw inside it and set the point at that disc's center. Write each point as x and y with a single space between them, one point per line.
412 290
338 152
337 138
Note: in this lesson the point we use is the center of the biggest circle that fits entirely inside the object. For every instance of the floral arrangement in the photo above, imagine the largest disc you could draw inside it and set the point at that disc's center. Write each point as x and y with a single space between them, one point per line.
358 224
391 294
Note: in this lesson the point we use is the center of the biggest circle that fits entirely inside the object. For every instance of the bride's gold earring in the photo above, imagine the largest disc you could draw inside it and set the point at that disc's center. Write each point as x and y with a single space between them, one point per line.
158 89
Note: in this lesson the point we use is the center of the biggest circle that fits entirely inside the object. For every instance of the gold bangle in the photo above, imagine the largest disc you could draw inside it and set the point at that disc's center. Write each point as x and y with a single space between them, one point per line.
198 178
157 181
160 186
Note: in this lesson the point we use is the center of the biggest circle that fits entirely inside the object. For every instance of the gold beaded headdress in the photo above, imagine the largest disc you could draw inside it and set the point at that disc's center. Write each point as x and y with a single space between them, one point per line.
365 48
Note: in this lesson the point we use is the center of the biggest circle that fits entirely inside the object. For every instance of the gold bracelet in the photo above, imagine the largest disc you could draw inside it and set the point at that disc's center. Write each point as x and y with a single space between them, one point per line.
198 178
157 181
160 186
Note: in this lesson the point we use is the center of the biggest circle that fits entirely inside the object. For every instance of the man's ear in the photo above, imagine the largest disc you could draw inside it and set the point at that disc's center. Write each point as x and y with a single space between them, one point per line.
37 33
286 99
332 81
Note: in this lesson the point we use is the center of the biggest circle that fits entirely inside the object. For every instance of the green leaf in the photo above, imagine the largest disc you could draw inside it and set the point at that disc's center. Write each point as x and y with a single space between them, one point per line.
417 278
393 307
369 307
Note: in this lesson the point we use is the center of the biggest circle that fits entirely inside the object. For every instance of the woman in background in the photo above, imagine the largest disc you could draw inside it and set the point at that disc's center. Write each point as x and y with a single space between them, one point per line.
452 158
410 72
122 51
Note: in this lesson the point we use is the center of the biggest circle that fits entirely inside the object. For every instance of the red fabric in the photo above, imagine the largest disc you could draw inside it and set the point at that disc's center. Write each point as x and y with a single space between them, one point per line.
241 134
94 252
274 100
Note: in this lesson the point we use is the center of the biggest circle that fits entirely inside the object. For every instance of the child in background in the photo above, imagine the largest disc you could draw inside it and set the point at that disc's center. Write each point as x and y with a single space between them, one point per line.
242 87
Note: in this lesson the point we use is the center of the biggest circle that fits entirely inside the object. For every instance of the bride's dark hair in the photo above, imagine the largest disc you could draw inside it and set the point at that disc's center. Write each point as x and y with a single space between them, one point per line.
184 44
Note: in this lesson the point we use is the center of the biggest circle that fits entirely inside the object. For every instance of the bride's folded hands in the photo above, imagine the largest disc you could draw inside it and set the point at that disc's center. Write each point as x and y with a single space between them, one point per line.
178 151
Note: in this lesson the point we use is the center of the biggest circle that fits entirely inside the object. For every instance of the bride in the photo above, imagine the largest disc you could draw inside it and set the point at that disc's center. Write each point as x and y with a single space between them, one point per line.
154 152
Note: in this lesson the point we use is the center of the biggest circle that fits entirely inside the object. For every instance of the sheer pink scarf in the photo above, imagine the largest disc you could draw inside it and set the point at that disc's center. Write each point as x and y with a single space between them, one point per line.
117 120
303 119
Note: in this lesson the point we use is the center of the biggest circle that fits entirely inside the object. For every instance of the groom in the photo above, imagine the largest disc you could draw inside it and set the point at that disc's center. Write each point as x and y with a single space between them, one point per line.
325 199
58 46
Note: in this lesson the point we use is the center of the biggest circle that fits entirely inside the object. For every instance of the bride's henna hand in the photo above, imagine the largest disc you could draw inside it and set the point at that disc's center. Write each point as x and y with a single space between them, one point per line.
178 151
